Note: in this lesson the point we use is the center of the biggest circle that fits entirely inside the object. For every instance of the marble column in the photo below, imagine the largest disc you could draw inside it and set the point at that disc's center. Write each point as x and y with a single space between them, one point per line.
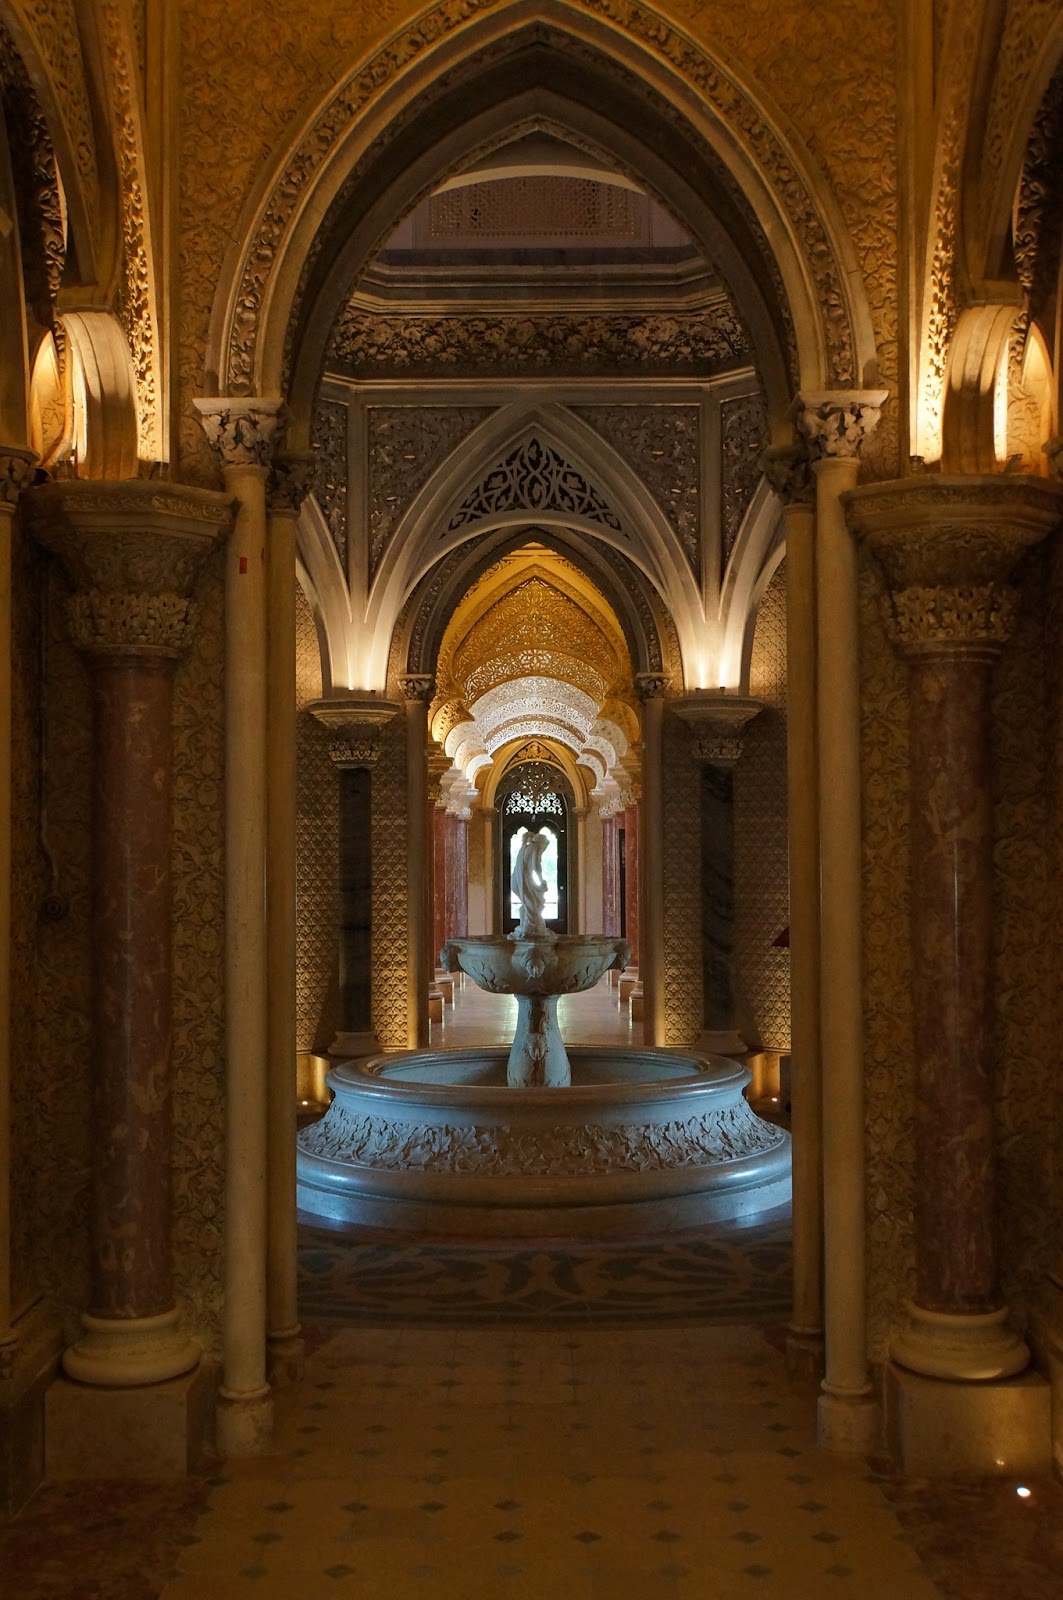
440 882
461 873
835 426
417 688
16 474
355 723
651 688
789 474
288 488
132 550
948 547
631 887
610 912
717 722
243 433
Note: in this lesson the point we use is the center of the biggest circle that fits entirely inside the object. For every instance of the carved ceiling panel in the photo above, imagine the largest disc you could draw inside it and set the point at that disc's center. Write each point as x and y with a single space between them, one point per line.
743 439
533 477
532 623
663 445
405 446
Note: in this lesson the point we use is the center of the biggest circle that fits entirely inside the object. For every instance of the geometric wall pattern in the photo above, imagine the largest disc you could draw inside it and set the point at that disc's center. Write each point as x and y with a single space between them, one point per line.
316 852
683 990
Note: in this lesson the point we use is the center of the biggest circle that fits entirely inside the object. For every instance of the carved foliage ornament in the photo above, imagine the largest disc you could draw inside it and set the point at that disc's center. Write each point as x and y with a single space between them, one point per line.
243 433
983 614
16 473
534 478
788 471
291 481
418 686
651 685
128 623
724 93
836 424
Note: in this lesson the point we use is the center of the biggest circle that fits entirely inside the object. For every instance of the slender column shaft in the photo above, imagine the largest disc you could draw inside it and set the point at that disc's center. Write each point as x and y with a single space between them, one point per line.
846 1416
244 1332
491 924
610 920
951 980
631 830
132 906
416 872
439 921
461 877
285 1347
717 845
651 967
805 1337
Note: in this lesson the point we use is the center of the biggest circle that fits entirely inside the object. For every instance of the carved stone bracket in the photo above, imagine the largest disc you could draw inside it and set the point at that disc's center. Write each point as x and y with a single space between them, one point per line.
242 432
357 721
417 685
1053 449
651 685
291 481
132 551
788 471
836 422
948 547
717 723
16 472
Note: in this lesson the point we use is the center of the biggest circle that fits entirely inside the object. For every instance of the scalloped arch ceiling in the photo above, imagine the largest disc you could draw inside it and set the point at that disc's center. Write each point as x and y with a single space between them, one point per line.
533 651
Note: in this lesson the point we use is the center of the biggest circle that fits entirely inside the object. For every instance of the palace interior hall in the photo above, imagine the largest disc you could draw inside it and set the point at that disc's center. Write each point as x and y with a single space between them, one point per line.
531 820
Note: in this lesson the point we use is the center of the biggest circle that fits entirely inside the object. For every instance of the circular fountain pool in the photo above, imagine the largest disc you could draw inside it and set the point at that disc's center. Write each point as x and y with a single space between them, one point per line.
438 1142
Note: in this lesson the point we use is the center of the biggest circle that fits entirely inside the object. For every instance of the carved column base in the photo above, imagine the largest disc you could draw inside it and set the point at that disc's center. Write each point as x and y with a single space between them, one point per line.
120 1353
285 1356
967 1348
804 1352
847 1421
245 1423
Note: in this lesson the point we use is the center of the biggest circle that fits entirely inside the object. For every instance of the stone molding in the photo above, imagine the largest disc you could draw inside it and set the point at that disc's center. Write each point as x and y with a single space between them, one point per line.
788 470
132 551
717 723
651 685
290 482
242 432
358 722
948 547
835 423
16 472
417 686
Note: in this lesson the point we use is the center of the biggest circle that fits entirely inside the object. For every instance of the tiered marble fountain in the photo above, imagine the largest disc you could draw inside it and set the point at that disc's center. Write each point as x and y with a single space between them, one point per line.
539 1140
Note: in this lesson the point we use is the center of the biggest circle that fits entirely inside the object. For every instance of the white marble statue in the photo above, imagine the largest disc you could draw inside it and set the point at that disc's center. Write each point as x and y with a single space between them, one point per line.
529 886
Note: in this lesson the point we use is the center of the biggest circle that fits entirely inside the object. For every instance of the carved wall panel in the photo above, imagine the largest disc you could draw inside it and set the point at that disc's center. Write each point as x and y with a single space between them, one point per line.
662 445
762 972
389 884
524 344
889 1082
329 438
682 887
405 446
533 477
198 965
743 438
316 850
1025 1038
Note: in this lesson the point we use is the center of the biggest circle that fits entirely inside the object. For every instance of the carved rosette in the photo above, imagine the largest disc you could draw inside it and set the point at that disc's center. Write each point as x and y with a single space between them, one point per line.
291 481
418 686
836 423
948 547
132 551
242 432
717 723
357 722
16 472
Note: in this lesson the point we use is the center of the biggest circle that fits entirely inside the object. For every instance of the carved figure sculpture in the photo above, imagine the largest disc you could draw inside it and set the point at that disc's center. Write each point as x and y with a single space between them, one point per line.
529 886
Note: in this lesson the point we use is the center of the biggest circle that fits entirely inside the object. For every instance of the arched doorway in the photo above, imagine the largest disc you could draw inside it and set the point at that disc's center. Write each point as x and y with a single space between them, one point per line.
534 797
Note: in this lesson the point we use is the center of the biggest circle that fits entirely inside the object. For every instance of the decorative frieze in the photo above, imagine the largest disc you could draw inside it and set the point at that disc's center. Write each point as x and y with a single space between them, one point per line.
124 622
357 721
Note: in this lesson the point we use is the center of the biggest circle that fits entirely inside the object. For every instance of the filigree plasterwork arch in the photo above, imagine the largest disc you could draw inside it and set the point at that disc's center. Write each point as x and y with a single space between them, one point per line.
643 534
715 108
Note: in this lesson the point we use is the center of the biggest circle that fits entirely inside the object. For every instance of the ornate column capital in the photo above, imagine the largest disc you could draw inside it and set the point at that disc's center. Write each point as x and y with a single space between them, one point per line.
1053 449
788 470
16 471
651 685
132 551
243 431
356 721
291 481
439 763
836 422
948 547
417 686
717 722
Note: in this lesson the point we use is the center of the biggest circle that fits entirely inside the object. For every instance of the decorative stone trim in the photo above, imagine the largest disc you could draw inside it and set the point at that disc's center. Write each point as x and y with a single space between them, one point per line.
984 614
128 623
291 481
836 423
359 722
242 432
717 723
787 469
16 472
651 685
417 685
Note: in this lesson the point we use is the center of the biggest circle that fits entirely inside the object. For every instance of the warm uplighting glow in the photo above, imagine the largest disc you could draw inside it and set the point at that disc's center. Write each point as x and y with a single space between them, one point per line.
1022 1492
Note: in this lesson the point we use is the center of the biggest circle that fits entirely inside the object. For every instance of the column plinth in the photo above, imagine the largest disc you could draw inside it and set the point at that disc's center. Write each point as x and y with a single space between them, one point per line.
132 550
948 547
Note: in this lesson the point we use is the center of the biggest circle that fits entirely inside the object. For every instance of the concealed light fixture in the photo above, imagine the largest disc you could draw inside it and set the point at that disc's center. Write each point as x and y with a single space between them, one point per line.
1022 1492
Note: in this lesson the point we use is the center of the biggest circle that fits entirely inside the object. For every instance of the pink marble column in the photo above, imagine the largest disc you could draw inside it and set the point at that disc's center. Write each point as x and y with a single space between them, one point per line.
948 546
610 917
461 877
132 550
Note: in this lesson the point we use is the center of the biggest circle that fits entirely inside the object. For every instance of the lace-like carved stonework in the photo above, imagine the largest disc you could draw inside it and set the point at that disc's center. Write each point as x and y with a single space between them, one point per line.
405 446
534 478
36 183
570 1151
663 445
743 436
982 614
124 623
836 424
244 435
536 629
329 438
705 343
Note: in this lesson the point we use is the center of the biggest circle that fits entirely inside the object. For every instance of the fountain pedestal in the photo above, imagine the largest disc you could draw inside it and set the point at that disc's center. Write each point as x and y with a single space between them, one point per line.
537 971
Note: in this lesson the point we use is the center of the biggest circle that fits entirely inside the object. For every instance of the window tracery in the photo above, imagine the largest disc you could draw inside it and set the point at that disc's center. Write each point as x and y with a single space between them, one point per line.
534 478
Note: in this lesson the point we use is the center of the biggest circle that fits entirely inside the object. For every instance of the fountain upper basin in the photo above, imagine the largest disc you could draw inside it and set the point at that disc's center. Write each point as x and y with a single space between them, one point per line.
437 1142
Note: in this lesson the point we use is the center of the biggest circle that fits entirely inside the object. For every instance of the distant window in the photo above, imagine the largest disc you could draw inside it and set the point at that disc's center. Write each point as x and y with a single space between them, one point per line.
547 868
529 803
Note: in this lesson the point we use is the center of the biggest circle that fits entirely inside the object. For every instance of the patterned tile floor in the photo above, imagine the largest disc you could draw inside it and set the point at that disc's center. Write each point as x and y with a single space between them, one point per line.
515 1436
